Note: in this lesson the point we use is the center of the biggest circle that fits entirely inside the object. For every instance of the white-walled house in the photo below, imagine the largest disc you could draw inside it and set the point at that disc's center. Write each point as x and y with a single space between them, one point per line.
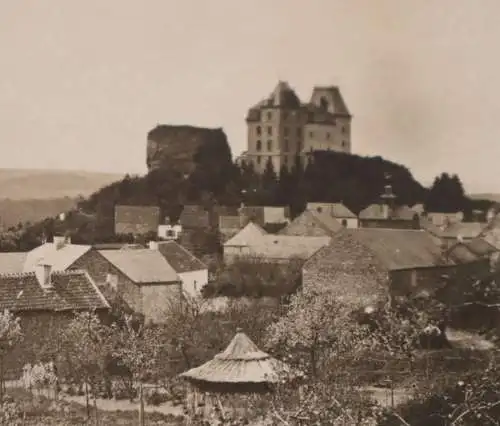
192 272
169 232
338 211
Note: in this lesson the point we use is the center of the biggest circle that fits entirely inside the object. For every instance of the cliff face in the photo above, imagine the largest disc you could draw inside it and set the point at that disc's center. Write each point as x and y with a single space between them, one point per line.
186 146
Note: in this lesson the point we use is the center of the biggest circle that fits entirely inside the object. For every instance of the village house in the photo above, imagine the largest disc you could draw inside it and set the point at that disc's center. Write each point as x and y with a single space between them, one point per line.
192 272
368 265
336 210
45 300
253 242
388 214
136 220
141 277
312 224
169 231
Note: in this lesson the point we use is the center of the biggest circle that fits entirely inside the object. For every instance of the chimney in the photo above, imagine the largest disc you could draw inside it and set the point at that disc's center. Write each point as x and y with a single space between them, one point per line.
59 242
43 272
153 245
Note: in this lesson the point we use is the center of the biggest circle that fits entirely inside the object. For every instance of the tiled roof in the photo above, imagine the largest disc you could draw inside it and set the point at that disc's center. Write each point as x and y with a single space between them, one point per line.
249 235
142 266
180 258
71 290
194 216
59 258
136 219
465 230
12 263
375 212
400 249
287 246
481 247
337 210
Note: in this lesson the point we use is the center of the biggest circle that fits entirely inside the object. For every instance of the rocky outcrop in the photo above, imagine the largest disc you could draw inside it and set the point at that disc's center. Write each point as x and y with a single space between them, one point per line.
187 146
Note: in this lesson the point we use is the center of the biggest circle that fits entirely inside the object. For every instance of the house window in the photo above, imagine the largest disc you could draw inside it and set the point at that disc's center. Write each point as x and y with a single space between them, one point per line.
319 209
259 130
285 131
170 233
344 223
269 115
269 145
258 146
195 285
269 130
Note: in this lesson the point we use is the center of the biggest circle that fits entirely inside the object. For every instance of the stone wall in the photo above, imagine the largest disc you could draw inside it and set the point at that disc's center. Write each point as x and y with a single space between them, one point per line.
350 270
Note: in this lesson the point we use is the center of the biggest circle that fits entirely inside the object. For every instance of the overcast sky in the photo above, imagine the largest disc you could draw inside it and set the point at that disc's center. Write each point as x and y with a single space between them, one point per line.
81 82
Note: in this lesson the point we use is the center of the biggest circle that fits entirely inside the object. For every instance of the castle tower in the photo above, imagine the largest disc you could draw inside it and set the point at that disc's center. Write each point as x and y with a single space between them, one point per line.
280 127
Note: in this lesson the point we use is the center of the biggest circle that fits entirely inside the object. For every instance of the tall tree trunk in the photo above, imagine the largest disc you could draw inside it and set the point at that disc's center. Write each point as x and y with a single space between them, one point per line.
141 406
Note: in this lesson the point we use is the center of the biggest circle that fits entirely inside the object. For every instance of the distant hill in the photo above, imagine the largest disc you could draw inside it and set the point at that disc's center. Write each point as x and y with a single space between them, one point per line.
13 212
486 196
18 184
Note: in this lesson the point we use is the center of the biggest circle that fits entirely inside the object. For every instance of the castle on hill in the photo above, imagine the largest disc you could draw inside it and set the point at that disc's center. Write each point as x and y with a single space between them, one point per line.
281 126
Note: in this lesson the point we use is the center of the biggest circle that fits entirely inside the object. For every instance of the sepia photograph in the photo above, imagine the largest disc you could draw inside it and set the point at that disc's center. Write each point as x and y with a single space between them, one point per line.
266 213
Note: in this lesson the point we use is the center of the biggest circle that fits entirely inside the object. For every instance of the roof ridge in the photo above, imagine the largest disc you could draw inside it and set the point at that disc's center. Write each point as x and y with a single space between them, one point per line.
16 274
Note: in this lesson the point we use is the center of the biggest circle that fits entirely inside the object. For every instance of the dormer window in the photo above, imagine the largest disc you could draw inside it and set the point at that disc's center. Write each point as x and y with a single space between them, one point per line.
324 103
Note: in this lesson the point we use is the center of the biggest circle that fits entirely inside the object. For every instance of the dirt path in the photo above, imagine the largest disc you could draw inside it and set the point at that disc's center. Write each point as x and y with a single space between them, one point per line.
125 405
466 340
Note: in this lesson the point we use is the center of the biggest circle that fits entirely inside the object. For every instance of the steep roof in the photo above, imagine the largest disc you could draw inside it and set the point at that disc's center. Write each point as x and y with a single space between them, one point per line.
71 290
142 266
481 247
241 362
336 96
287 246
337 210
284 96
179 258
249 235
400 248
324 220
467 230
59 258
136 219
12 263
375 212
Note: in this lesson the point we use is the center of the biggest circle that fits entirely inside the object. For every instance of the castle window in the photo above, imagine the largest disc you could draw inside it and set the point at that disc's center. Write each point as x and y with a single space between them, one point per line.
269 145
269 130
269 115
327 135
259 130
323 103
285 131
311 134
258 160
344 144
344 130
258 145
286 144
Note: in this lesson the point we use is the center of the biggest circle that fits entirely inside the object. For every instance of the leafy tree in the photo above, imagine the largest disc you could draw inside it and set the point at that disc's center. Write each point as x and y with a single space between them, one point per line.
10 336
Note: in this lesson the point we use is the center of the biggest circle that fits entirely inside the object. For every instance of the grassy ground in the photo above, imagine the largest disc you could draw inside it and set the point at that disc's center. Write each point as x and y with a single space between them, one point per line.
40 411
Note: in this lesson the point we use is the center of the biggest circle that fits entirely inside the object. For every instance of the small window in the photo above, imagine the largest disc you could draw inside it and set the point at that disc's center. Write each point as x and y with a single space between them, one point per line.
344 223
258 145
259 130
327 135
344 144
323 103
269 145
311 134
269 130
195 285
269 115
285 131
170 233
344 129
319 209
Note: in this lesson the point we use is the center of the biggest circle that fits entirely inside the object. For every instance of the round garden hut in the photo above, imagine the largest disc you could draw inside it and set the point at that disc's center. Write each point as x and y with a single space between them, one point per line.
242 368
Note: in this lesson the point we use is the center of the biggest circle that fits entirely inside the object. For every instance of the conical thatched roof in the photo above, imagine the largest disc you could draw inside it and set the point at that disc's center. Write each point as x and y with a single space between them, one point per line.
241 363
